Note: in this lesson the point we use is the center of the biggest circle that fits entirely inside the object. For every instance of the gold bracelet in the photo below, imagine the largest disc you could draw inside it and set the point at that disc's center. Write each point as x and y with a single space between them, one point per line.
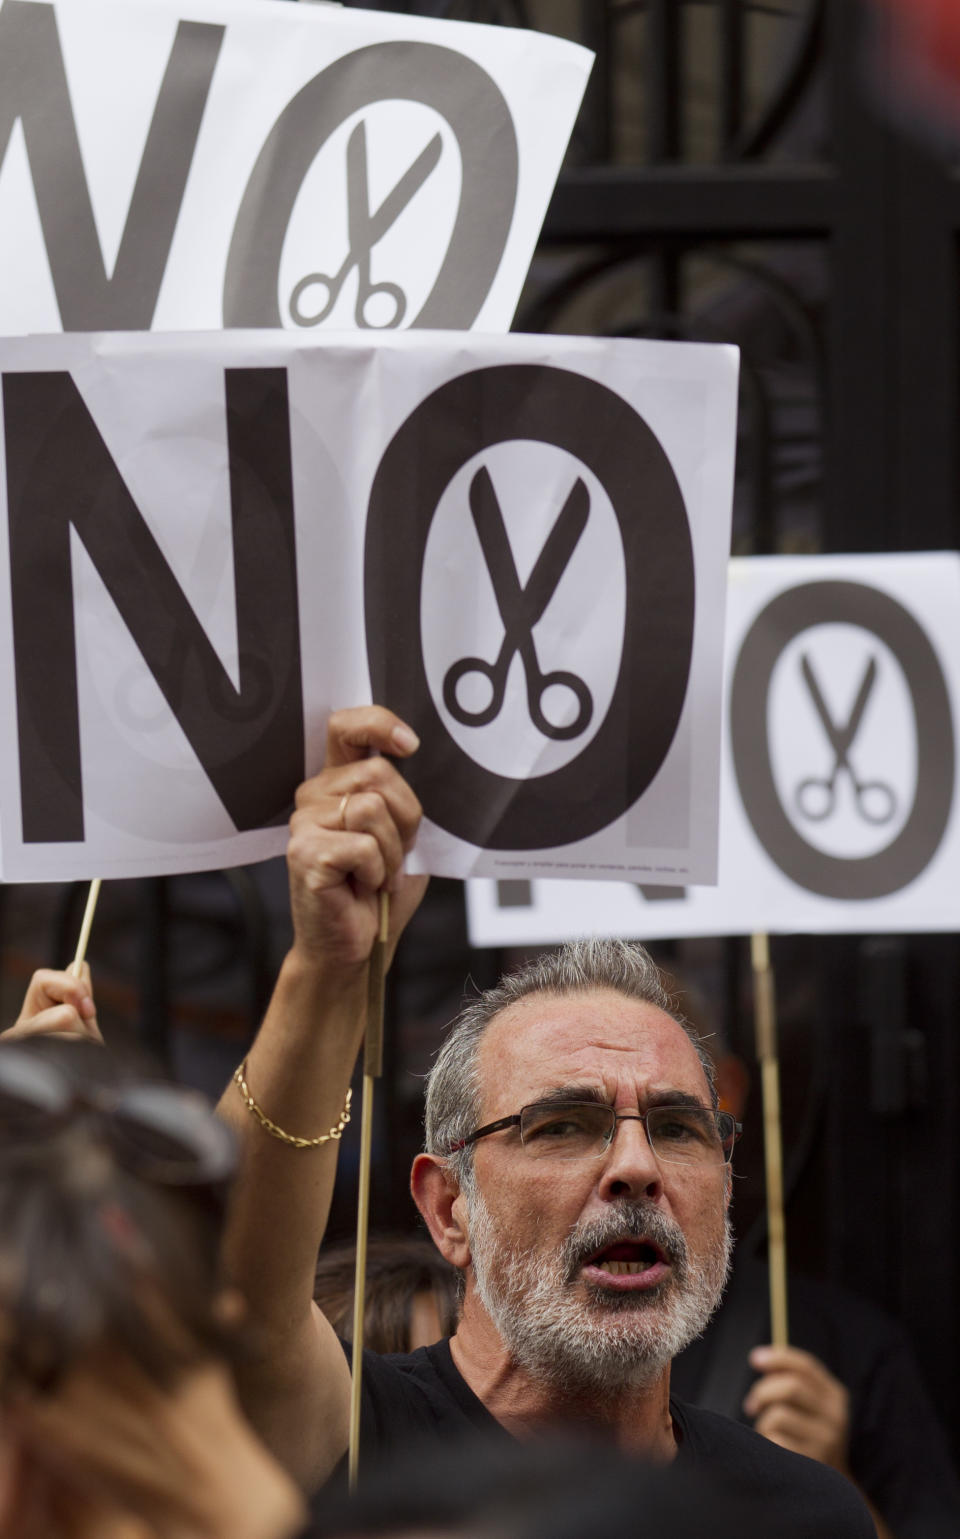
271 1127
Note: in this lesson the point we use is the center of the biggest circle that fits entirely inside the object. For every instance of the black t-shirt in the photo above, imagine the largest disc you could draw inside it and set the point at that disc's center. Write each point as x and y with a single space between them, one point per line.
898 1451
416 1397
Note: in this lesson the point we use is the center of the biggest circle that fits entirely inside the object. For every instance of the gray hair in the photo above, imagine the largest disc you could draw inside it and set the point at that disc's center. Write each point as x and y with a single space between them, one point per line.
579 967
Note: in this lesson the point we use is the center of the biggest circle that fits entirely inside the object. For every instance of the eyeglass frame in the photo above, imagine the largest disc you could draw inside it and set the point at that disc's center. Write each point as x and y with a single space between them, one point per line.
502 1123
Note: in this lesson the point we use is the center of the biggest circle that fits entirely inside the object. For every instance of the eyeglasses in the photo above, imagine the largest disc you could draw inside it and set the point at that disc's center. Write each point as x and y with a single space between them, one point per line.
575 1130
161 1132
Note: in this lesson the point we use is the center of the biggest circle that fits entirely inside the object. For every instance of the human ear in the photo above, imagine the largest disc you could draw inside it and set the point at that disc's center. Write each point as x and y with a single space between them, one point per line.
442 1206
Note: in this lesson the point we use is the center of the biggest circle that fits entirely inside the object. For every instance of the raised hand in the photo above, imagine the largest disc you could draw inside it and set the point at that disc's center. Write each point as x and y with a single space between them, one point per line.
57 1004
799 1404
353 824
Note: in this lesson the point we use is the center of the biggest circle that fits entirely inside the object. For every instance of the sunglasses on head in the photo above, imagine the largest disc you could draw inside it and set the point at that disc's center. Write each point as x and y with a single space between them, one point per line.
163 1133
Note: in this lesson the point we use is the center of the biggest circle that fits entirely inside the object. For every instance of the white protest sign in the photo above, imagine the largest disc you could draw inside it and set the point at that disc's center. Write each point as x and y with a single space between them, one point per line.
210 541
839 770
181 164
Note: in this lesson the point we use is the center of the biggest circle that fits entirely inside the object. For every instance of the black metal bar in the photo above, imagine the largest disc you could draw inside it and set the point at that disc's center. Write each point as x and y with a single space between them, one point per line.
722 202
859 437
595 123
760 460
664 78
924 335
732 45
666 303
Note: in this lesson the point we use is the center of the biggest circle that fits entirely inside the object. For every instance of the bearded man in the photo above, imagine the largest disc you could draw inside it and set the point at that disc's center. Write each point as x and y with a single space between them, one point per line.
577 1173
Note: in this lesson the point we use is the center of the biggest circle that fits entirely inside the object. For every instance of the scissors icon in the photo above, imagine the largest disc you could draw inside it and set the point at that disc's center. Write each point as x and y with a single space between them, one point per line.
520 609
365 230
816 798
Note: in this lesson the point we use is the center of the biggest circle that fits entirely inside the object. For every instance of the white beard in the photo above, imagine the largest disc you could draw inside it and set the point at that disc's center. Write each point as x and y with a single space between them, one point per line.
610 1340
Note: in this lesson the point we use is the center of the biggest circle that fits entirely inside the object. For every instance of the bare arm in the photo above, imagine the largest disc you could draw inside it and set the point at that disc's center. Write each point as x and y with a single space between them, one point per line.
296 1385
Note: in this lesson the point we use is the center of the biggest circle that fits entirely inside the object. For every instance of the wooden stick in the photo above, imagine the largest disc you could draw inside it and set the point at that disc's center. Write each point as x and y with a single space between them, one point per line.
372 1069
766 1025
86 927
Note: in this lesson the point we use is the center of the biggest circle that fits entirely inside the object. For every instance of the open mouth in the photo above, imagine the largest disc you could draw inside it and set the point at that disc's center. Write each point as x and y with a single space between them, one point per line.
628 1258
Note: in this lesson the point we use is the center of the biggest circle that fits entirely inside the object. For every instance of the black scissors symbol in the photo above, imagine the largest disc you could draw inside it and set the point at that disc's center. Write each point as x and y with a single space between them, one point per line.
365 230
520 609
815 797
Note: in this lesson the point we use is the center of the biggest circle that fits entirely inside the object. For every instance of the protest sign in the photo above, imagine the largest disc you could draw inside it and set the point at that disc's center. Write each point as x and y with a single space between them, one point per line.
839 767
181 164
519 544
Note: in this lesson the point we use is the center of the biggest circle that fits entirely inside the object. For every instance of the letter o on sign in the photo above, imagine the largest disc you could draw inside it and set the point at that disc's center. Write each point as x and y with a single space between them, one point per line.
849 603
455 423
471 103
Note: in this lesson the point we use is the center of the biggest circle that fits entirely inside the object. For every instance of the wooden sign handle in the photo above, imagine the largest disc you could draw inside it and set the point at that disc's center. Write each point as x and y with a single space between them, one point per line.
766 1028
85 927
372 1069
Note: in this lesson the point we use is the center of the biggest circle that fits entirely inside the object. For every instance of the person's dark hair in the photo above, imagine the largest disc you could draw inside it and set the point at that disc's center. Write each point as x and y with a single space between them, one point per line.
93 1256
579 967
398 1268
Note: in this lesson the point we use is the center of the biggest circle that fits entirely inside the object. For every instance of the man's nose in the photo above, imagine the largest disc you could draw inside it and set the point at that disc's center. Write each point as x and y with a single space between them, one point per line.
630 1167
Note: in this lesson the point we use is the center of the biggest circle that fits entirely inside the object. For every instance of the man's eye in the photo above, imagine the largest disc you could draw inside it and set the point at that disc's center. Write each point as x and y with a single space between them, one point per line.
682 1129
563 1124
561 1127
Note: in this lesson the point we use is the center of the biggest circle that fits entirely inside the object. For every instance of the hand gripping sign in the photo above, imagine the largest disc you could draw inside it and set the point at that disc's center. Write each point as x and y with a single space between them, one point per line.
839 767
517 544
173 164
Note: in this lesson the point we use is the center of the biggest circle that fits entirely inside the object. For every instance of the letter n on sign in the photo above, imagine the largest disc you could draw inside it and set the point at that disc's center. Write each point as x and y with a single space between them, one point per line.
60 474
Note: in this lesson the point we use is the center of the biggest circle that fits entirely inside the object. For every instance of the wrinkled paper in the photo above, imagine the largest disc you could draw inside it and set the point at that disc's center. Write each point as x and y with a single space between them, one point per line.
811 840
198 164
519 544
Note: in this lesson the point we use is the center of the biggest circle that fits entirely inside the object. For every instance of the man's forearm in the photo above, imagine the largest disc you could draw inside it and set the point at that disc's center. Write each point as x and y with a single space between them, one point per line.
298 1071
349 831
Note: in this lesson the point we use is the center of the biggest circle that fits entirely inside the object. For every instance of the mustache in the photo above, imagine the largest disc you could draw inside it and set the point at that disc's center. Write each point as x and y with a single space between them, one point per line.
627 1220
